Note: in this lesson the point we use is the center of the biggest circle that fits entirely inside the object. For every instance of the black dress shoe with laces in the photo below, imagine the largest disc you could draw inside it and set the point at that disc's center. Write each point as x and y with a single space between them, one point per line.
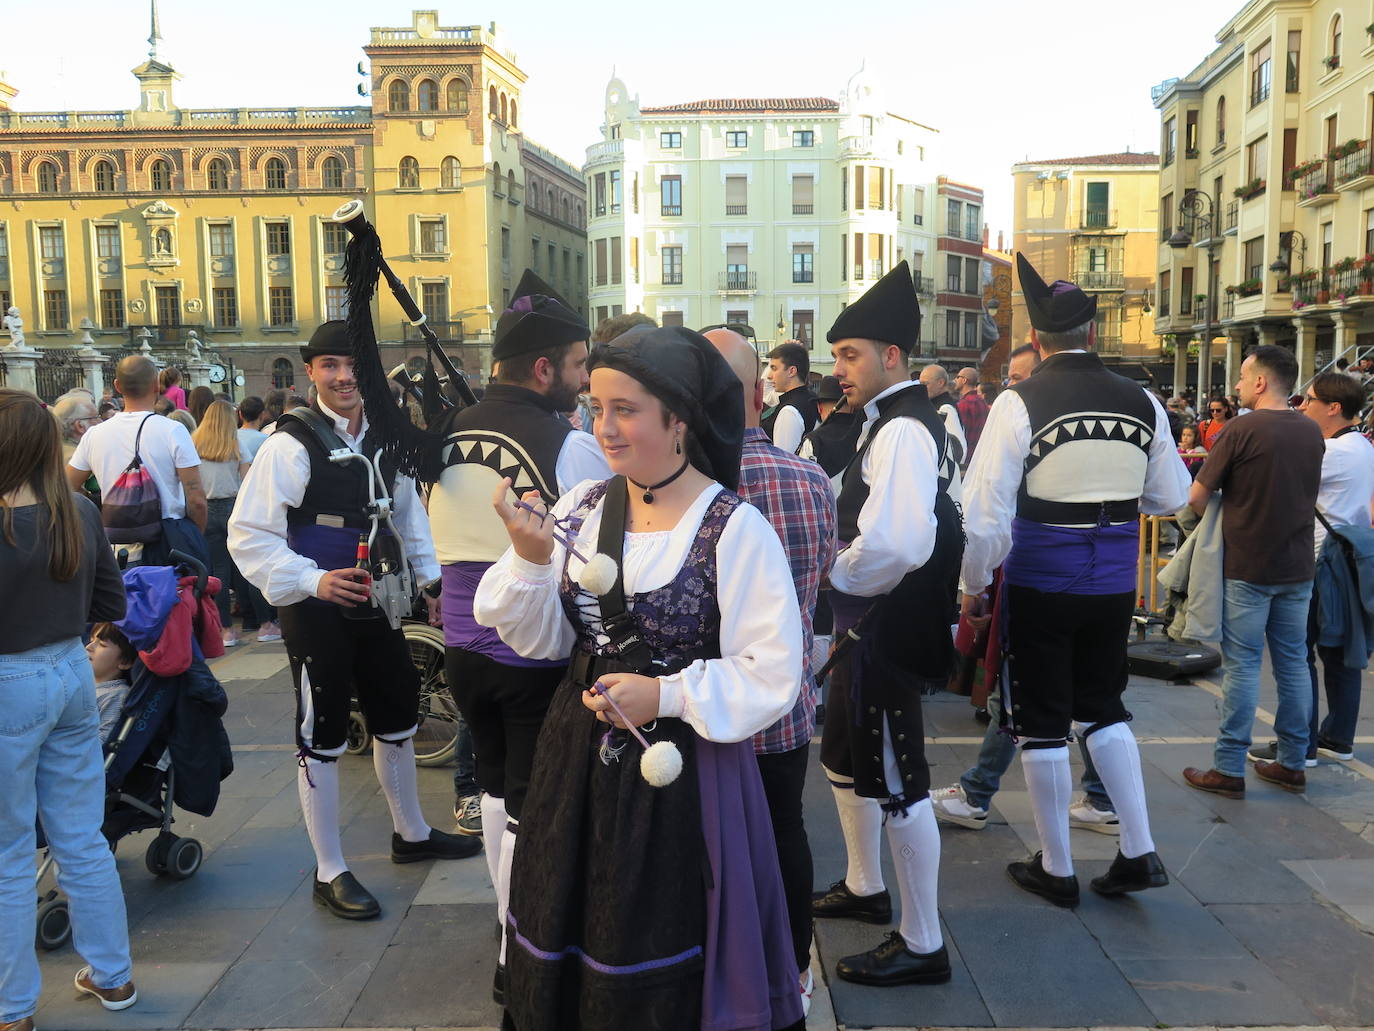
498 986
438 845
841 903
1031 875
1134 874
345 897
893 963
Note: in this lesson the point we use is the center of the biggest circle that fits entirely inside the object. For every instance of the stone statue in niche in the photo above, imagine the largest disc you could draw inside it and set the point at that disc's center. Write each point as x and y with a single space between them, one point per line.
15 325
162 243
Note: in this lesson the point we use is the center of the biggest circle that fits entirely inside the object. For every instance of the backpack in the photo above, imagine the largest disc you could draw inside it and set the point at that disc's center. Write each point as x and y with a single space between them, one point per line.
130 508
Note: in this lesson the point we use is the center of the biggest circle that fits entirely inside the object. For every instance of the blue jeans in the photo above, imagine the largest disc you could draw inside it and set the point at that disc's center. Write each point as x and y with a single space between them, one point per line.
1251 615
981 781
51 767
464 764
1342 701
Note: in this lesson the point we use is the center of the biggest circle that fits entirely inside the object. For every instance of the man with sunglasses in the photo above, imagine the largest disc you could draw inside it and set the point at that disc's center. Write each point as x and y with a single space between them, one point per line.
1267 466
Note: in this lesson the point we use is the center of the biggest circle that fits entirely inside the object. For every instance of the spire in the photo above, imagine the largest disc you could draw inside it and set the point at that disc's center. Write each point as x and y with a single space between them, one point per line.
155 36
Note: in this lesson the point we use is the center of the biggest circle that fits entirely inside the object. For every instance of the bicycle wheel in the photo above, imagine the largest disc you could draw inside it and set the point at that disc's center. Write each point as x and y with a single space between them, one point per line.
437 736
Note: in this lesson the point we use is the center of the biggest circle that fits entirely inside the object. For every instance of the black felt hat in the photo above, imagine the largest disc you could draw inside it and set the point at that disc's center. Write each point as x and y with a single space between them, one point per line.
537 317
1053 307
684 371
829 389
330 338
888 312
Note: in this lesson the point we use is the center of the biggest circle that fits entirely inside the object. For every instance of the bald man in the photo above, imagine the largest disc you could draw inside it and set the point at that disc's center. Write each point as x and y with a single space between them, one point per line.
936 381
795 497
973 408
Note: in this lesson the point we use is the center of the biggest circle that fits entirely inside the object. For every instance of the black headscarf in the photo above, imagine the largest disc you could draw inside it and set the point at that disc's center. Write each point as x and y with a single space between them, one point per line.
684 371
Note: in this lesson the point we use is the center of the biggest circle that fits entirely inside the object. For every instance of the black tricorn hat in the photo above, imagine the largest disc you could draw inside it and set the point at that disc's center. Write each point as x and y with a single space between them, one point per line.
537 317
330 338
829 389
1053 307
685 371
888 312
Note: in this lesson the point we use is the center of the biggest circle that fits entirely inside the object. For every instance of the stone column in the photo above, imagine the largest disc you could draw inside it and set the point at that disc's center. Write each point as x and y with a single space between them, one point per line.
1180 364
197 375
1268 334
1235 354
1306 350
1347 325
21 364
1204 365
93 370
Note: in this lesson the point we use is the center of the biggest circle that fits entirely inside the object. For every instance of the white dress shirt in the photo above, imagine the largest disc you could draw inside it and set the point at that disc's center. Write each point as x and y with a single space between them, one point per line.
897 523
580 458
276 483
1347 485
788 429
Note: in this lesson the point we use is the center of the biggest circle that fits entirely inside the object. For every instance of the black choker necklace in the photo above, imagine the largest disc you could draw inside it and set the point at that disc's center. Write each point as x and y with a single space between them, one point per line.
649 491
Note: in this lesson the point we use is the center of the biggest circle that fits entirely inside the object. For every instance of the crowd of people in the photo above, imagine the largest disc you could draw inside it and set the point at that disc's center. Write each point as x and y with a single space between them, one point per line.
649 556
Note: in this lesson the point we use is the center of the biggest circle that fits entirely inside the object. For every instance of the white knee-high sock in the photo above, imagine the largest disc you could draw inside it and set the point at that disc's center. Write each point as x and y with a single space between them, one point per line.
1051 784
915 842
861 820
1117 758
318 784
394 762
503 887
493 826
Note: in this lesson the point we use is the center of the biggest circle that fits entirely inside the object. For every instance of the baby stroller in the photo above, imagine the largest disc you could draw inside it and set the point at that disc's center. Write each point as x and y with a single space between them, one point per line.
169 745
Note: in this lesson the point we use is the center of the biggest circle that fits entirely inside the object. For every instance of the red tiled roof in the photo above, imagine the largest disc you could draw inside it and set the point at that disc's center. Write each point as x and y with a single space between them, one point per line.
1127 158
755 104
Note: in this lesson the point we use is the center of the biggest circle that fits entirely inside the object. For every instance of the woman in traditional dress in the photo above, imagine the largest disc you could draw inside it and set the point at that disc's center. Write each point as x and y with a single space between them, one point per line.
632 906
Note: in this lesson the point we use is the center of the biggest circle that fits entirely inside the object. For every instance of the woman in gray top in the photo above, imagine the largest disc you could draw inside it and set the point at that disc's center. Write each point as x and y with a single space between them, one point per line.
56 575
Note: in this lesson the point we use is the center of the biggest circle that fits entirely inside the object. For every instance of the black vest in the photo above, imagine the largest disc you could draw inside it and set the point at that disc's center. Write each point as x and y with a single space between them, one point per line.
912 622
803 401
337 490
833 441
1090 441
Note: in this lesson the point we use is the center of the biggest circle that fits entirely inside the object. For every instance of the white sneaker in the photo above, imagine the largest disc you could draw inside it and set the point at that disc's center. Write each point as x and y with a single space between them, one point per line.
808 988
951 806
1083 815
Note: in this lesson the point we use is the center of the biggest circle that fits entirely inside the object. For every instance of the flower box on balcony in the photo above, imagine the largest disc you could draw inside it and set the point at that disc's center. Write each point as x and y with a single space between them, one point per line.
1346 148
1248 287
1190 152
1332 62
1251 189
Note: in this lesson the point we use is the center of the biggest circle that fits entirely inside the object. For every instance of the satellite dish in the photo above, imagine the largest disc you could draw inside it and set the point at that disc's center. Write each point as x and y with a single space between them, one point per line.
361 70
361 92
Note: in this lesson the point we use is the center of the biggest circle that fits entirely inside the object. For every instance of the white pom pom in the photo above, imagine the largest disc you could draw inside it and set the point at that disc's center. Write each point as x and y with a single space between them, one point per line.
598 575
661 764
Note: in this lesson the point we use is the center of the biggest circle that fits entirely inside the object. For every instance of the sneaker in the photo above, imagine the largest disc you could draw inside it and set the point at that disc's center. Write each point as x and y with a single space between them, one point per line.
1085 816
1334 751
269 632
120 998
467 811
22 1024
230 638
807 984
1270 753
952 806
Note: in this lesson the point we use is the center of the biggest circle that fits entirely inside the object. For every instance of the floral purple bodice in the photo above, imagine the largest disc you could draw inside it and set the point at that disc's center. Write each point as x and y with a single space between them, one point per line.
679 621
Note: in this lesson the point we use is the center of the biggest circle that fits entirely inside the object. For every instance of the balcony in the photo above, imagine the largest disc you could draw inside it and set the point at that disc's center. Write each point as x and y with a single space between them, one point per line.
955 285
1232 218
1313 183
1109 344
670 210
1228 308
803 209
974 233
607 150
925 285
672 279
803 276
1101 280
1098 218
1259 95
737 209
1353 169
447 332
875 269
740 282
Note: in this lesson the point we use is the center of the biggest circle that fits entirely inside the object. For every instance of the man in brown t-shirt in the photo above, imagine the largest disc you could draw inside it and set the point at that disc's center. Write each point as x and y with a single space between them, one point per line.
1267 464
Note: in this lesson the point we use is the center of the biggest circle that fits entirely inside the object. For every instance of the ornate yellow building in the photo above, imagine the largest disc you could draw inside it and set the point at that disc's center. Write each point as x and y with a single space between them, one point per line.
172 225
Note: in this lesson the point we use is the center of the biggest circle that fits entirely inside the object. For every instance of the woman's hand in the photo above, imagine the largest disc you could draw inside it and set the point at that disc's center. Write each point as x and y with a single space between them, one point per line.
531 534
636 695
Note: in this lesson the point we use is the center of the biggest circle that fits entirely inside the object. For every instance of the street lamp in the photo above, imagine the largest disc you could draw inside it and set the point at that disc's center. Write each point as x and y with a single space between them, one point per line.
1198 209
1281 266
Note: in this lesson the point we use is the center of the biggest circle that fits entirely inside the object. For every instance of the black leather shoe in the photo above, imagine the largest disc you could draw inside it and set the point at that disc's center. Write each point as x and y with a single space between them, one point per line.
439 846
1136 874
498 986
841 903
345 897
893 963
1062 891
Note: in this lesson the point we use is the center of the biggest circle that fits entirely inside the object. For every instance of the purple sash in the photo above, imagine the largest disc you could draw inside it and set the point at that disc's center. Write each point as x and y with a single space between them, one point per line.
1072 559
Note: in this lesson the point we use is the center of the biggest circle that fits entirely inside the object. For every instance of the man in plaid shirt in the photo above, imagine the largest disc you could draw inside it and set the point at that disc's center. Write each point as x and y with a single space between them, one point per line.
795 496
973 410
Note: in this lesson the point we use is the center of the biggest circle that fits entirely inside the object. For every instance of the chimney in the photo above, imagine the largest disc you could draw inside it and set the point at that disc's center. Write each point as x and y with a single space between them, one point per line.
999 241
986 230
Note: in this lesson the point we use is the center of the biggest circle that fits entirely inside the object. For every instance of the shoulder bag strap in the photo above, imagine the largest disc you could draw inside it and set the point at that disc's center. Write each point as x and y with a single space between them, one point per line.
137 462
610 541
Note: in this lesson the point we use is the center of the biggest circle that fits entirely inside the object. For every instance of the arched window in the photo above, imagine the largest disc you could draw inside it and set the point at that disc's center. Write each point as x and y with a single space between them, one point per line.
103 174
398 96
275 170
46 174
1221 120
581 218
331 173
282 374
217 174
427 95
551 209
458 96
504 112
510 183
409 174
496 181
1336 41
513 111
160 176
565 211
493 108
532 192
450 174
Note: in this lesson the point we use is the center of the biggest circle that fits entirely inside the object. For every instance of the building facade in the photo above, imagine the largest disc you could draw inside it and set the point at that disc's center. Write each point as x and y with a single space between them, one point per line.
1094 221
1266 172
169 224
773 213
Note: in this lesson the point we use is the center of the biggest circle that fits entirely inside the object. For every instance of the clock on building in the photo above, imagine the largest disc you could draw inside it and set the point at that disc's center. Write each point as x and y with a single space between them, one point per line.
217 373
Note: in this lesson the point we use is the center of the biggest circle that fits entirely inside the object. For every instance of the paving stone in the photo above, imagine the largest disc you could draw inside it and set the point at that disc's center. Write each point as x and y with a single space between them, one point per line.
255 870
464 966
1345 882
1227 990
170 933
461 882
1159 924
308 992
1319 955
167 994
1224 867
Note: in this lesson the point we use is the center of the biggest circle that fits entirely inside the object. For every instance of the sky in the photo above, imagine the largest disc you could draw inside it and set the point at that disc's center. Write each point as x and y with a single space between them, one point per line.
1003 81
